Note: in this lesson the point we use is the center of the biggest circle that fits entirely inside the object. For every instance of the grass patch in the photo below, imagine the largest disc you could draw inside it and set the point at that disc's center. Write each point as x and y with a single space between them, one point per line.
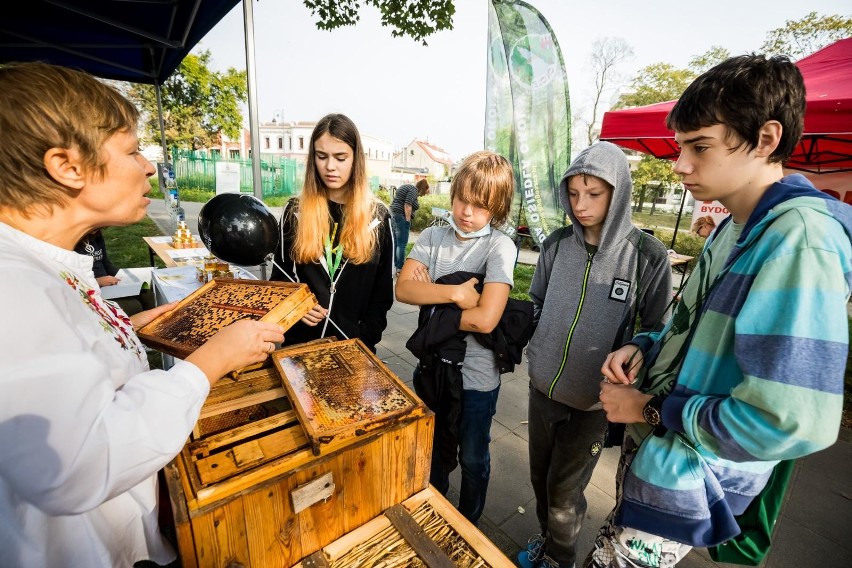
523 277
125 246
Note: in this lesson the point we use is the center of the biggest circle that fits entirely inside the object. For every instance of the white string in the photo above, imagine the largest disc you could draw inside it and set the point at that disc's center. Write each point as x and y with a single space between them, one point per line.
327 318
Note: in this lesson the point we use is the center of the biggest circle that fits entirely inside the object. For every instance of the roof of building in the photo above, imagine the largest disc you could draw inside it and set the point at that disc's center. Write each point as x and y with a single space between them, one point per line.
437 154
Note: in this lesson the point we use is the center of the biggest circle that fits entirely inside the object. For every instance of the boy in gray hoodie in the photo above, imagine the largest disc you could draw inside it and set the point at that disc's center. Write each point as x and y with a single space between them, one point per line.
592 278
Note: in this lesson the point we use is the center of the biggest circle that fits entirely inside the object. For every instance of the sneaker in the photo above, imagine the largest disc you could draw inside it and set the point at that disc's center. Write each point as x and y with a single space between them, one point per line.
530 557
547 562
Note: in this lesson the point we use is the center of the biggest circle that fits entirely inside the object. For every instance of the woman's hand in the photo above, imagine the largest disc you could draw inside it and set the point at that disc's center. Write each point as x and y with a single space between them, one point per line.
465 295
238 345
316 315
623 403
623 365
142 319
107 281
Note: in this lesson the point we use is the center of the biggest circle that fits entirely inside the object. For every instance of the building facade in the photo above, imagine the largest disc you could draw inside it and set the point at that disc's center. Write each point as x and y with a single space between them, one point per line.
423 157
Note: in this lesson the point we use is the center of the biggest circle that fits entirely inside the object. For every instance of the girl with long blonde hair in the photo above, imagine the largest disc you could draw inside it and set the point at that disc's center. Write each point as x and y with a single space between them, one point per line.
336 238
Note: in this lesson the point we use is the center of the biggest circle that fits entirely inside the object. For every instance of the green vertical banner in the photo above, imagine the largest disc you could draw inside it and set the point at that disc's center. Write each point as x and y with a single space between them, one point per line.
527 111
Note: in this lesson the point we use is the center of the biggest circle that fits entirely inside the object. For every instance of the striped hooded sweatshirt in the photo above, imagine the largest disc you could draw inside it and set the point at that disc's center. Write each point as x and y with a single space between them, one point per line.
585 303
762 378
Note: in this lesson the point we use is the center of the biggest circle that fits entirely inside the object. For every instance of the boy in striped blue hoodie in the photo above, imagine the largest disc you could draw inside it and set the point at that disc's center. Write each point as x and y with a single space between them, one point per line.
749 370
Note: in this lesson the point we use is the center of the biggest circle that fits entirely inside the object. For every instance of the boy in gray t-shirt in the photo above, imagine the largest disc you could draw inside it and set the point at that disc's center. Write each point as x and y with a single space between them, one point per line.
481 194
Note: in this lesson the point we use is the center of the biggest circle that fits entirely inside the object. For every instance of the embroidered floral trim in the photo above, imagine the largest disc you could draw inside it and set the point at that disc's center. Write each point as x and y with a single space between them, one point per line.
113 319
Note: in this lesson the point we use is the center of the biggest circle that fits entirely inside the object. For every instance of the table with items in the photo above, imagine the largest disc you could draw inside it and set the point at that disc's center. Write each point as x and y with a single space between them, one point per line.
680 263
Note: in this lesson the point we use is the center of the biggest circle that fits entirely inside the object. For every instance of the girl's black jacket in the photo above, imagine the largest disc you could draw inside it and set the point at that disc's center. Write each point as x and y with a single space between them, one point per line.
363 292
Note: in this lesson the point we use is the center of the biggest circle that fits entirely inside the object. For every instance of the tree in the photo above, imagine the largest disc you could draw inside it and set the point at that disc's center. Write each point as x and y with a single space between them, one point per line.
712 57
198 104
414 18
653 173
607 54
661 82
656 83
798 38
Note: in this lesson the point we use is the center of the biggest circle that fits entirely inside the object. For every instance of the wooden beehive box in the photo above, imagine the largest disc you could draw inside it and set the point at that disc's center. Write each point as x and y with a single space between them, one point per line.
424 530
220 303
251 488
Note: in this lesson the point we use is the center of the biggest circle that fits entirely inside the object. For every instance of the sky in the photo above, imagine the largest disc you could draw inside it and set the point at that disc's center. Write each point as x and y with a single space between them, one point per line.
397 89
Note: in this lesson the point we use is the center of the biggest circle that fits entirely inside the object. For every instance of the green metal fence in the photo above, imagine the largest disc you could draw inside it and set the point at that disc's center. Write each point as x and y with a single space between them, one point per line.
279 176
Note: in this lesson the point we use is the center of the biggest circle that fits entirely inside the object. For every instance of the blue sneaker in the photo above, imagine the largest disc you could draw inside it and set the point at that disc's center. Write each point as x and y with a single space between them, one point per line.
530 557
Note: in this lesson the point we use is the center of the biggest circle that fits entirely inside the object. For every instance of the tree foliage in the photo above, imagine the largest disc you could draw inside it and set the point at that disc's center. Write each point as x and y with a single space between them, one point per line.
656 83
712 57
417 19
198 104
661 82
654 174
798 38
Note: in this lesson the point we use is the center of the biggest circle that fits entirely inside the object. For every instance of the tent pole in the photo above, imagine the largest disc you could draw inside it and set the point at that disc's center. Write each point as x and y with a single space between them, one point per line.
257 181
159 94
248 16
677 222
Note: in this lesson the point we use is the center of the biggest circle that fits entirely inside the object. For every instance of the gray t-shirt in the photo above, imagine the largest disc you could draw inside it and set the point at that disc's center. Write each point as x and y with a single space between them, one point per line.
493 255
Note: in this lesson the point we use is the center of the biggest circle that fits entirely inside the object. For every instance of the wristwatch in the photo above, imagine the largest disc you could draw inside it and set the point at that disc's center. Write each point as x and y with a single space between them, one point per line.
652 413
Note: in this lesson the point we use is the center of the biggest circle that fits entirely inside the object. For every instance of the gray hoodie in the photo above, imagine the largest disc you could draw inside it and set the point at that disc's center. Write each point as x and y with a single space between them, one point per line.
586 303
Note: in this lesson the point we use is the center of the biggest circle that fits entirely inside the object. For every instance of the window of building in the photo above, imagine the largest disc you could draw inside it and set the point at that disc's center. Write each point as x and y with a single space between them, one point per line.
290 143
301 142
280 143
266 142
411 152
235 154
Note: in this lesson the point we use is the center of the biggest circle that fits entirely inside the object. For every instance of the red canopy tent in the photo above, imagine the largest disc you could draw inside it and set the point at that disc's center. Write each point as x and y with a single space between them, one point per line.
826 144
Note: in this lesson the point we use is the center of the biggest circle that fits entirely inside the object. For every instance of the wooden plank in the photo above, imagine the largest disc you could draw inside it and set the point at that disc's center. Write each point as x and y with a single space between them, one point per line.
312 492
416 537
273 534
211 443
361 501
227 406
322 523
180 513
250 382
217 467
220 536
423 452
400 464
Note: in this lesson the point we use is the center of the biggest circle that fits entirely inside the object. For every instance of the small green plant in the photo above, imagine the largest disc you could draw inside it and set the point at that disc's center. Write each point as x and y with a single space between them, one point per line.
384 196
423 216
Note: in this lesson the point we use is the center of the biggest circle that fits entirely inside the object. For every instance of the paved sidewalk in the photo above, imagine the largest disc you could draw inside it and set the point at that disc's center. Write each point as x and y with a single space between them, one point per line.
815 528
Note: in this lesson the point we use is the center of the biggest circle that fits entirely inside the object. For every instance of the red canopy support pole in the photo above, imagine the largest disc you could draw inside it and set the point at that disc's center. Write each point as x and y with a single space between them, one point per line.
677 222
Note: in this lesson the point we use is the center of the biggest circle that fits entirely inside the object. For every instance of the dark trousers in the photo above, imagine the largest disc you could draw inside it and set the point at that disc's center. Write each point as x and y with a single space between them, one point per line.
478 408
564 446
401 229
